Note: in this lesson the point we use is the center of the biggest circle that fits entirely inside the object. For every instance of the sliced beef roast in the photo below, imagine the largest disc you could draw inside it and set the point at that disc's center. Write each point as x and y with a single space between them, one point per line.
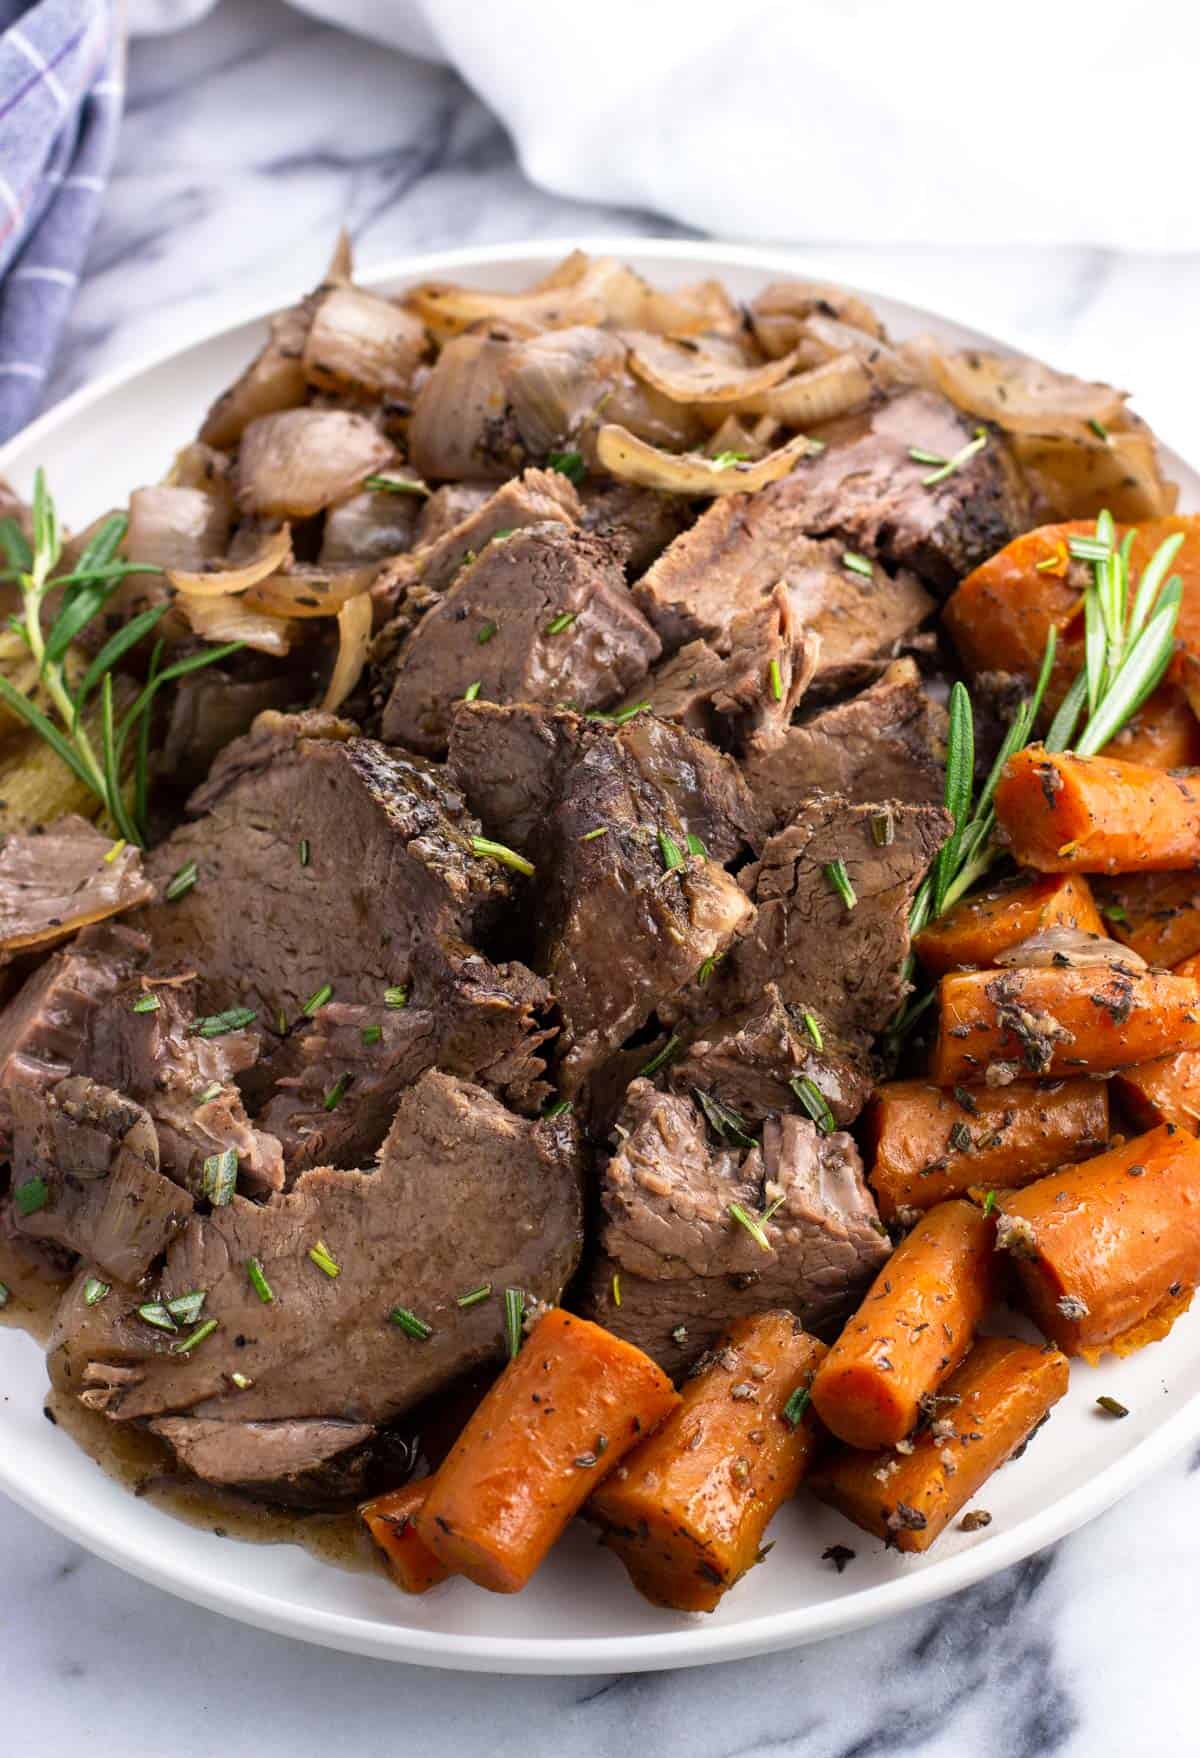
886 743
838 960
211 708
686 1265
85 1175
319 862
184 1079
638 522
541 615
44 1024
55 881
466 1193
277 1460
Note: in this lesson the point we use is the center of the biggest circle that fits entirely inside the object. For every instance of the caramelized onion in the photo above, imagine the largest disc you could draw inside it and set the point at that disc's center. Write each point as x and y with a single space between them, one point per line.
273 381
581 291
362 345
275 553
173 527
710 372
552 382
1076 478
354 640
309 592
624 455
1019 394
293 464
781 314
826 391
228 619
1068 947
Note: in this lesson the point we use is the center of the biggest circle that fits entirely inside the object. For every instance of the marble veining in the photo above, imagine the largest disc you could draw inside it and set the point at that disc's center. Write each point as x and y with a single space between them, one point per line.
248 140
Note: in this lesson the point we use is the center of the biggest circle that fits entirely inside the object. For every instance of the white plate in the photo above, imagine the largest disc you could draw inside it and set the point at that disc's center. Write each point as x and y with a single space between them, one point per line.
580 1614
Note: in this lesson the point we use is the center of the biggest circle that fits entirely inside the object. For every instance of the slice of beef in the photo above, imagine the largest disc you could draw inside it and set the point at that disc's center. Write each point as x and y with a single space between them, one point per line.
466 1193
277 1461
319 862
627 909
447 507
211 708
748 1060
96 1156
514 764
464 1015
542 615
57 880
742 548
45 1022
185 1081
841 964
886 743
747 696
687 1267
638 522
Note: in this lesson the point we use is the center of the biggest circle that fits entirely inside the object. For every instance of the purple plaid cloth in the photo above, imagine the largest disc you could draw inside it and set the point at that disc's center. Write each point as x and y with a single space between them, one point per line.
61 89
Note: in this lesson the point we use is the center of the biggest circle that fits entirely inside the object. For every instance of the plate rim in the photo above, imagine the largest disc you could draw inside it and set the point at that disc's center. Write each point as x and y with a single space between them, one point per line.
695 1643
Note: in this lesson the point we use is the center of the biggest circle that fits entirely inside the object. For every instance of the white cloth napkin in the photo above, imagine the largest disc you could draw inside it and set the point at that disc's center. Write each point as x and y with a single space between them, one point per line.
1038 122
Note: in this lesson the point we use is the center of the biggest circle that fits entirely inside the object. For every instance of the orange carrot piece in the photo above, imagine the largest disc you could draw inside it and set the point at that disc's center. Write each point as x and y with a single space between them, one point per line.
1100 1247
1163 733
975 930
389 1520
1166 1091
1047 1021
686 1510
1156 915
929 1144
560 1417
912 1329
1059 813
989 1409
1001 614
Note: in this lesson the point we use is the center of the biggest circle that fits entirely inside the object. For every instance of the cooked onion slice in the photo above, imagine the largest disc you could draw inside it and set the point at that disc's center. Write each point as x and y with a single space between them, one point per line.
1076 478
354 639
827 391
1017 393
275 553
782 313
710 372
309 592
623 454
294 464
1061 945
362 345
574 294
229 619
273 381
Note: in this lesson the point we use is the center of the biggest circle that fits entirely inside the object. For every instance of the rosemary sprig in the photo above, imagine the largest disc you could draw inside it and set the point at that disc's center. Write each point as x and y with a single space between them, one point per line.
82 592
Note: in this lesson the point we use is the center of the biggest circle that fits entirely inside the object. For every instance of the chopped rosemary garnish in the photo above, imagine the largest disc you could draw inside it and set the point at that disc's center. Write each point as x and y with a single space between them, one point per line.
618 716
591 835
696 847
94 1291
796 1405
672 854
755 1224
215 1025
371 1034
395 997
661 1059
146 1003
776 680
514 1316
336 1093
949 465
708 966
919 455
814 1102
989 1202
1112 1406
725 1121
498 851
242 1381
813 1030
1098 428
395 484
193 1341
568 464
4 1295
208 1093
186 1308
258 1281
723 460
470 694
486 631
410 1324
474 1295
153 1312
181 881
305 851
616 1290
324 1259
559 623
1114 912
559 1108
117 849
317 1000
839 878
31 1196
883 829
219 1178
78 598
857 564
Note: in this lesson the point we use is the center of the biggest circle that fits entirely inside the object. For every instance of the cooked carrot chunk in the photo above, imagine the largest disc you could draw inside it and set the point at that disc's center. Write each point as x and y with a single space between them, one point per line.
1166 1091
912 1329
1000 616
389 1520
1156 915
1047 1021
929 1144
1099 1248
981 1417
563 1413
1059 813
975 930
1164 733
686 1510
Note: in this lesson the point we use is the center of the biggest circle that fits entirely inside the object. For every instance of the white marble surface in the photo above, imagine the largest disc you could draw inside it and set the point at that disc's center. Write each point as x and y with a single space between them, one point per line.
248 140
